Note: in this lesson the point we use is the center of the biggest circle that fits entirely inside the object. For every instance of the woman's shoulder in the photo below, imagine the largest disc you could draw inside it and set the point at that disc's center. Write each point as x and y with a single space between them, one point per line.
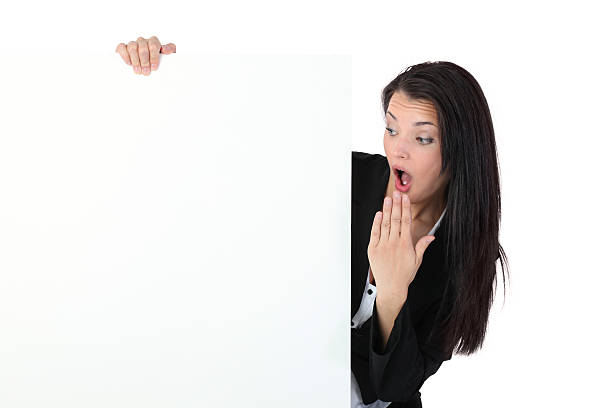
368 163
363 158
370 172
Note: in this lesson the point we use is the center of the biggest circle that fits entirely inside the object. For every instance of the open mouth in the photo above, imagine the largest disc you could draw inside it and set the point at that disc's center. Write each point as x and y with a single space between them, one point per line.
402 176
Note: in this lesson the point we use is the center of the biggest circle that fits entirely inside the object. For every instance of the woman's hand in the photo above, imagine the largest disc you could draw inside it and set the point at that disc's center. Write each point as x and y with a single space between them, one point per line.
143 54
394 261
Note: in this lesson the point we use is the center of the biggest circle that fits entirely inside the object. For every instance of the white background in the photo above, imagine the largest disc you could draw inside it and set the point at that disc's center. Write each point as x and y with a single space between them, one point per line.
544 68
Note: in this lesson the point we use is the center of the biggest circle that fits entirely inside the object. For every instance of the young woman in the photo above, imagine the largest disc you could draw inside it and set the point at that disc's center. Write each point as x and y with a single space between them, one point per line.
416 299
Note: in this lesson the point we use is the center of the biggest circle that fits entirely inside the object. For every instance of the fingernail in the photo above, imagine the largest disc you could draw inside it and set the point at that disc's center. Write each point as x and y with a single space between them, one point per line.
387 200
138 69
396 195
135 70
153 67
146 70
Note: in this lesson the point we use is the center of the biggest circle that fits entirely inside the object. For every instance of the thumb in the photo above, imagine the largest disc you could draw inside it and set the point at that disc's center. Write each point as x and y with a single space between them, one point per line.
168 48
422 245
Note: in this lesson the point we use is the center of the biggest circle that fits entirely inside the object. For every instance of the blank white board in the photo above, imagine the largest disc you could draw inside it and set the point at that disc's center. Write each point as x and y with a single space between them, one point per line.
178 239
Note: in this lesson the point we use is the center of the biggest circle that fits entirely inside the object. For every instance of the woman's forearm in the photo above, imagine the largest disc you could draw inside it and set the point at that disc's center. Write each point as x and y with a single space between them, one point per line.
387 309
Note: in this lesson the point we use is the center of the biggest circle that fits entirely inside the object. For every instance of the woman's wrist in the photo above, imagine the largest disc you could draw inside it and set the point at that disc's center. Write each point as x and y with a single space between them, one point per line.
391 299
390 305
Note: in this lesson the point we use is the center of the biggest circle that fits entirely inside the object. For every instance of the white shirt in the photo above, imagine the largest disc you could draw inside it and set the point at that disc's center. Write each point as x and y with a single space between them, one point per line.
366 308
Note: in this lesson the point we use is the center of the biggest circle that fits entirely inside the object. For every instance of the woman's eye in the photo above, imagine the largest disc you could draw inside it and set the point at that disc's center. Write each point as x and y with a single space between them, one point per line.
428 139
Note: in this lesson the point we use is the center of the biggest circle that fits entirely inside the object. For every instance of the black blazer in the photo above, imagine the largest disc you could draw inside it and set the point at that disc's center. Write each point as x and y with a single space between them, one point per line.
409 357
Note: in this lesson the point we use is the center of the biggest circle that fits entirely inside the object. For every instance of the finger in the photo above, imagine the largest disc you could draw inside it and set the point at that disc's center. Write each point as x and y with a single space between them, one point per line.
375 232
154 49
386 219
122 50
421 246
406 229
143 53
396 216
168 48
132 48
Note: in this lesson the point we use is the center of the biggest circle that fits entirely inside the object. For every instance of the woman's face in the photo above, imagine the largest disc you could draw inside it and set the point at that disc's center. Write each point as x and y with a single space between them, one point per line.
412 144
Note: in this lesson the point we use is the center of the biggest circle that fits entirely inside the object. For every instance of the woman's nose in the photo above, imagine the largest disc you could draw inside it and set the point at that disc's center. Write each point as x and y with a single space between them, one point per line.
402 148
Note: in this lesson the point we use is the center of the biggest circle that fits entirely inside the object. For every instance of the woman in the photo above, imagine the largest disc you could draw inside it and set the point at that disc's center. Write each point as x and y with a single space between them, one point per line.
415 300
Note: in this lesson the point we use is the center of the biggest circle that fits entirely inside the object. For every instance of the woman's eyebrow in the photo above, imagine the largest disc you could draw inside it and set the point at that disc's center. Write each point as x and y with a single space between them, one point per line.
392 115
422 123
415 123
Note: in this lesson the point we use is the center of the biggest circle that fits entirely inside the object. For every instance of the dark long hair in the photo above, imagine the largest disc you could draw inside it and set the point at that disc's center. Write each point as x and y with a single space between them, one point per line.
473 202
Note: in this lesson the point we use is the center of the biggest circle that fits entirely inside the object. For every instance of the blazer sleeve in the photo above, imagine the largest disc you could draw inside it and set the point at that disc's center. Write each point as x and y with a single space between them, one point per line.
409 358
